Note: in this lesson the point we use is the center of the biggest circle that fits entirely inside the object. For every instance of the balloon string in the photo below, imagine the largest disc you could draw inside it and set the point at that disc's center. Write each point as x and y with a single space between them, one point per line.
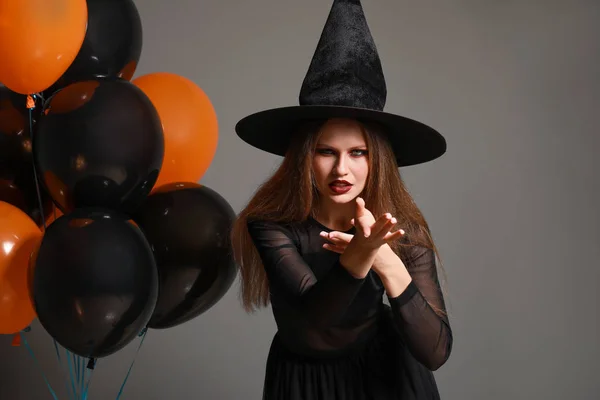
82 375
143 335
31 106
38 365
62 367
89 370
80 372
71 375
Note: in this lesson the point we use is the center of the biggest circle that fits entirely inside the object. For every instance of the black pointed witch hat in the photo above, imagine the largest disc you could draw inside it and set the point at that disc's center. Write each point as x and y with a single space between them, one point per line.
345 80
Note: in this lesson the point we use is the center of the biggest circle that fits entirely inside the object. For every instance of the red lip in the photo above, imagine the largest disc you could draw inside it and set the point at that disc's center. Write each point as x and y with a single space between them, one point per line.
340 186
340 182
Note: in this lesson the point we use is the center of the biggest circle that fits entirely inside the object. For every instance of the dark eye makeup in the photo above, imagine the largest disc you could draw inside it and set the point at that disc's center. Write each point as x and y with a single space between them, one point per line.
353 152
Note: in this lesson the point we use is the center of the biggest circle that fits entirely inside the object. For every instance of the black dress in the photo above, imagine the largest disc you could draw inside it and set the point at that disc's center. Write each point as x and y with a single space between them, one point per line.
336 338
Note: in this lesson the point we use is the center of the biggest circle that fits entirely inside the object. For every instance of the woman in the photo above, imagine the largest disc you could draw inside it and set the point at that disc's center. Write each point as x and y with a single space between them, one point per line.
334 230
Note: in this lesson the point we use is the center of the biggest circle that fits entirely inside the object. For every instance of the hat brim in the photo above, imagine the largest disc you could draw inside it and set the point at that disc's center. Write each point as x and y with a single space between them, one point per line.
412 142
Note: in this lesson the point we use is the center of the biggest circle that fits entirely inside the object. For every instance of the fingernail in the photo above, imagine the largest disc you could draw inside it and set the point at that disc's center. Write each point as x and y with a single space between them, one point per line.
394 220
388 215
323 233
402 231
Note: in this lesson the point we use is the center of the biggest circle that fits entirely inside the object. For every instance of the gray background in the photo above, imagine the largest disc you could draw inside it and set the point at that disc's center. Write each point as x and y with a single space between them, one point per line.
515 88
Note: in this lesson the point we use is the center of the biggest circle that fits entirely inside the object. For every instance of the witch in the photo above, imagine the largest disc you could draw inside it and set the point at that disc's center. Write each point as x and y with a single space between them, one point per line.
334 230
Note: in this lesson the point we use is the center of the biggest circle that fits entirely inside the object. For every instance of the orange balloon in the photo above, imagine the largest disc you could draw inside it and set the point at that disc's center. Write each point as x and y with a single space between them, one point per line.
40 40
19 238
189 124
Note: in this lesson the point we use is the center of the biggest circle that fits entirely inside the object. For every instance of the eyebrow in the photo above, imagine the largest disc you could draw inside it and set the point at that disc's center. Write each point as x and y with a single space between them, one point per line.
358 146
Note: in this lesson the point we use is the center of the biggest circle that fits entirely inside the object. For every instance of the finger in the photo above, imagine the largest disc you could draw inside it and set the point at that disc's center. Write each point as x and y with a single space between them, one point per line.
336 236
362 218
341 236
326 235
335 240
391 236
386 228
381 224
363 223
360 207
362 226
365 228
360 201
366 218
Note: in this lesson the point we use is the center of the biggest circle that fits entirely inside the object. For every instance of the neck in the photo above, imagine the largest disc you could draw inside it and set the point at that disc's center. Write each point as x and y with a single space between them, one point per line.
335 216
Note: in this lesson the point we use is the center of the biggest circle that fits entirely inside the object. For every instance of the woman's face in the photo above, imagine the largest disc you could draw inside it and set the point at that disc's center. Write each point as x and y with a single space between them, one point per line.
340 162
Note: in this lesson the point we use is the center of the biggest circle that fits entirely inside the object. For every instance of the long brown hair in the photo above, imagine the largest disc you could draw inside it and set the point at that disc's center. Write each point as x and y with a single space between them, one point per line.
290 194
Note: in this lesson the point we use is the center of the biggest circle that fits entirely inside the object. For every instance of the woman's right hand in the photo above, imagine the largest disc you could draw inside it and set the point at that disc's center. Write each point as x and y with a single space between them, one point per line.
360 253
372 233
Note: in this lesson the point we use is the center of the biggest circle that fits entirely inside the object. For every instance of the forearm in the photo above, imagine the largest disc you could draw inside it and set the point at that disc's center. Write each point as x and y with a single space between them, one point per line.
427 335
391 271
357 260
420 313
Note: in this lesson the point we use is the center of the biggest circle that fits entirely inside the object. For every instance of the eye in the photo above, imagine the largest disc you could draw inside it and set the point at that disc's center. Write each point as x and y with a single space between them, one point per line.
359 152
324 151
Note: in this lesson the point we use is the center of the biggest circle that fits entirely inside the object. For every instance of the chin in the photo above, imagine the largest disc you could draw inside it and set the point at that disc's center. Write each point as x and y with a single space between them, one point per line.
343 198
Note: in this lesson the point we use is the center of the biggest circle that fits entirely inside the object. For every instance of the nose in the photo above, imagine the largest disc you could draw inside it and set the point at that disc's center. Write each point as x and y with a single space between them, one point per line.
341 166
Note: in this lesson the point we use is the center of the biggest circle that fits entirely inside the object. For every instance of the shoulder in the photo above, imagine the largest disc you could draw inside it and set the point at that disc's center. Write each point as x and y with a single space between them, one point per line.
260 225
260 228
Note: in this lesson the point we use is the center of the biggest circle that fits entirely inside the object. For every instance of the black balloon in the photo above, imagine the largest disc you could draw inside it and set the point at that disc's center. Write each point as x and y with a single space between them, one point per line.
188 226
99 144
112 44
94 282
17 178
